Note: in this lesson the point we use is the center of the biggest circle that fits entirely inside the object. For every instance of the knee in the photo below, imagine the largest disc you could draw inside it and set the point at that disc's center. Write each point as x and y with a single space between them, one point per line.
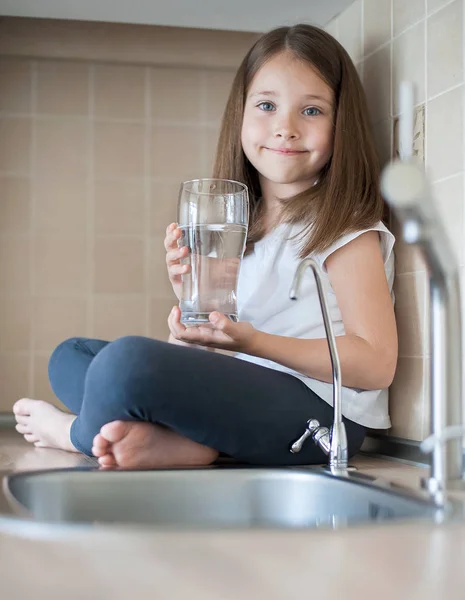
124 372
126 359
63 349
130 349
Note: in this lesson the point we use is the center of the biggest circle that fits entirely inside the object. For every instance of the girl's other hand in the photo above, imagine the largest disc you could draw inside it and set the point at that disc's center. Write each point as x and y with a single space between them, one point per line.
174 254
221 332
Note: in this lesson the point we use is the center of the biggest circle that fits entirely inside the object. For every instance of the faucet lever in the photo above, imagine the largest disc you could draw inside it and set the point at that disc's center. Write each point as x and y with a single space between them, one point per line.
319 434
448 433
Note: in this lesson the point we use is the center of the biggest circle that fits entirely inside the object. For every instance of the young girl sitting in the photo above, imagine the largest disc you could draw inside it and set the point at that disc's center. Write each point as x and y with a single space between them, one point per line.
296 132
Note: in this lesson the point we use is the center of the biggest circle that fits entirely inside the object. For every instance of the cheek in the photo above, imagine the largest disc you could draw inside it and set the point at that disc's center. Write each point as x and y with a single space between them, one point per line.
252 129
324 139
250 136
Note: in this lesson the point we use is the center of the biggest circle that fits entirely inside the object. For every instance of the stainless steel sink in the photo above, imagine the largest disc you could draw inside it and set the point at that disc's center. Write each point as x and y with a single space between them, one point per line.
212 498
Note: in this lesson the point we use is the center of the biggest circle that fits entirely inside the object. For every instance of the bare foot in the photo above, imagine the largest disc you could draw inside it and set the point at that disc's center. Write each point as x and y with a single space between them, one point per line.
138 445
43 424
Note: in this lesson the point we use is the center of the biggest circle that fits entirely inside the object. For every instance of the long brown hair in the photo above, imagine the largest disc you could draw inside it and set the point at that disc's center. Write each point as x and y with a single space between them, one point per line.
346 197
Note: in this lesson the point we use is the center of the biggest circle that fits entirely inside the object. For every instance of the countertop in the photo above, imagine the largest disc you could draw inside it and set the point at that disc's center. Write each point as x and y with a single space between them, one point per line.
423 561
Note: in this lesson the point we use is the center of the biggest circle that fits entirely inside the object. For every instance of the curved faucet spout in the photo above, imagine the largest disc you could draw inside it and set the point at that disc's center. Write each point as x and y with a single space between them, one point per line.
334 441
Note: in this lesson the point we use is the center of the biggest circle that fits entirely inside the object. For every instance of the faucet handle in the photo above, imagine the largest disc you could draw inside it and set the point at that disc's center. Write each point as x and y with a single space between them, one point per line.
314 429
448 433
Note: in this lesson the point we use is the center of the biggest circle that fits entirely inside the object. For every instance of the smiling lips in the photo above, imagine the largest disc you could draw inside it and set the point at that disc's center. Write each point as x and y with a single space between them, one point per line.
286 151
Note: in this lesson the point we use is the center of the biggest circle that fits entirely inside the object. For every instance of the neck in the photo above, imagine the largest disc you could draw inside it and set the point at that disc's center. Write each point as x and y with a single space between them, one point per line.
273 192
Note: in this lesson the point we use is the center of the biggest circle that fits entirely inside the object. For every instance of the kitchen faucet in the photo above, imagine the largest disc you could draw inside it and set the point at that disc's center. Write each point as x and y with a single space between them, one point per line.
332 441
405 187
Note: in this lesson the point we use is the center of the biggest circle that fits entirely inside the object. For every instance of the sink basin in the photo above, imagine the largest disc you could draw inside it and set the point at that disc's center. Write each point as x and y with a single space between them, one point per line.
211 498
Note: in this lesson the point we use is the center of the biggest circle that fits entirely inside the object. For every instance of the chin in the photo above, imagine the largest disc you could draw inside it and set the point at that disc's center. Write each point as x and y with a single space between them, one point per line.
285 179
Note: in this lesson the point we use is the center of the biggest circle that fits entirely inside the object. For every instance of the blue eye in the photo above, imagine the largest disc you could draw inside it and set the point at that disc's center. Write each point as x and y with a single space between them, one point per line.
316 111
266 106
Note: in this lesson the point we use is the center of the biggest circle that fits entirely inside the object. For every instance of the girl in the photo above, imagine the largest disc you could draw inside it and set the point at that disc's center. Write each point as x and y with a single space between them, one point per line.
296 131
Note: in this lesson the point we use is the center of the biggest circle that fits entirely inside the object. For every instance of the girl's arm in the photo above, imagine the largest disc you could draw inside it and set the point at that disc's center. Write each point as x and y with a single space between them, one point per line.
368 350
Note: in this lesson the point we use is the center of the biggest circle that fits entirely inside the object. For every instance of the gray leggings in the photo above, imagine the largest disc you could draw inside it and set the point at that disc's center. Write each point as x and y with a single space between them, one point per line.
248 412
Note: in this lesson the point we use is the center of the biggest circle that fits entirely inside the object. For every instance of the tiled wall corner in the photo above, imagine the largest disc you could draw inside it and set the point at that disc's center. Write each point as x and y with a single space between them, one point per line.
421 41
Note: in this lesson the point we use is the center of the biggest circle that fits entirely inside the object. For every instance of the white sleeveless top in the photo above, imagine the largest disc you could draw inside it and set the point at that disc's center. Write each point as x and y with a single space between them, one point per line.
265 280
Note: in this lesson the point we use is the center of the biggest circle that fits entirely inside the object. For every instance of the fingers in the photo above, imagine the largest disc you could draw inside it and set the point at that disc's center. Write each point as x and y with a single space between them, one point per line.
174 256
180 331
173 233
178 270
174 322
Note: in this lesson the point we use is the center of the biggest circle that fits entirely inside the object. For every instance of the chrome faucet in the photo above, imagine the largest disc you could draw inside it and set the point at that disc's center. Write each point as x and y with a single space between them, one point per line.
332 441
405 187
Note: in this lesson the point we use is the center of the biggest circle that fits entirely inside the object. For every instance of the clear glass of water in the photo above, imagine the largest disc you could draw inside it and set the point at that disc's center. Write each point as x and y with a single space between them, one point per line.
213 217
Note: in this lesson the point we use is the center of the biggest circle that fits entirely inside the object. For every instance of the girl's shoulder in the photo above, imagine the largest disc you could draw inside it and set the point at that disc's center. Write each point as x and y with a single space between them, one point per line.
386 240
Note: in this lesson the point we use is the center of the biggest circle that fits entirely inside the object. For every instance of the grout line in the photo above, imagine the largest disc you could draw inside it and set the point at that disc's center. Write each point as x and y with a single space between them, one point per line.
59 294
336 27
113 178
203 114
446 91
91 204
395 37
436 10
377 49
463 183
392 20
426 100
461 276
425 137
65 236
147 198
442 179
120 120
32 227
17 174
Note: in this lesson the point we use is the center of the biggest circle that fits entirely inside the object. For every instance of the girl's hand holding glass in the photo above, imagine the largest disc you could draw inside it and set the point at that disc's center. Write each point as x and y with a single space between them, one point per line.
174 254
221 332
219 275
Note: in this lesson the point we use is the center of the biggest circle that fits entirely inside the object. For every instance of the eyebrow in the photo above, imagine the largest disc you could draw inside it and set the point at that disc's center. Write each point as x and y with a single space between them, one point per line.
306 97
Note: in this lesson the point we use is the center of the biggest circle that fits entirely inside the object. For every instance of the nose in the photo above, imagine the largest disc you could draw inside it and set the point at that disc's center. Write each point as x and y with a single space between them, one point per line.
286 128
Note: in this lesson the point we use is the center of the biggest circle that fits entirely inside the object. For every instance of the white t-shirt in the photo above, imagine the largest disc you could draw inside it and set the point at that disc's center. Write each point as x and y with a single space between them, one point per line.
265 280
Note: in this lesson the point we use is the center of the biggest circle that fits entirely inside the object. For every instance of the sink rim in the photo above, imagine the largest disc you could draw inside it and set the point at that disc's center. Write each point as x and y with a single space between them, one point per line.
23 522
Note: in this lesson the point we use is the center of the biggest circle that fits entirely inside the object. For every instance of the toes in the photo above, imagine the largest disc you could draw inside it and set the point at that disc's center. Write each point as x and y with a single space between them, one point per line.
31 437
22 428
115 431
26 406
22 407
107 460
100 446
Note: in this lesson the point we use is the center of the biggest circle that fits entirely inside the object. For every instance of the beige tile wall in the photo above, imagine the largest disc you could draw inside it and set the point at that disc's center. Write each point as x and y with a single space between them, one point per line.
422 41
92 153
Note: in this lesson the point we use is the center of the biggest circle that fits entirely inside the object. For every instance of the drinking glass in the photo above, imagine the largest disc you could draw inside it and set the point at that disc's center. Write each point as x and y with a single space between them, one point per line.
213 217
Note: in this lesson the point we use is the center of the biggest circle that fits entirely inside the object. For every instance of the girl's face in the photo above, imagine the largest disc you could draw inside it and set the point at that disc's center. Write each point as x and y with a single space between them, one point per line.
287 129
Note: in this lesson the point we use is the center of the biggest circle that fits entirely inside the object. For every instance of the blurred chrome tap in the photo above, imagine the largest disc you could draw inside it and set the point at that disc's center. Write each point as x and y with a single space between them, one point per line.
406 188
